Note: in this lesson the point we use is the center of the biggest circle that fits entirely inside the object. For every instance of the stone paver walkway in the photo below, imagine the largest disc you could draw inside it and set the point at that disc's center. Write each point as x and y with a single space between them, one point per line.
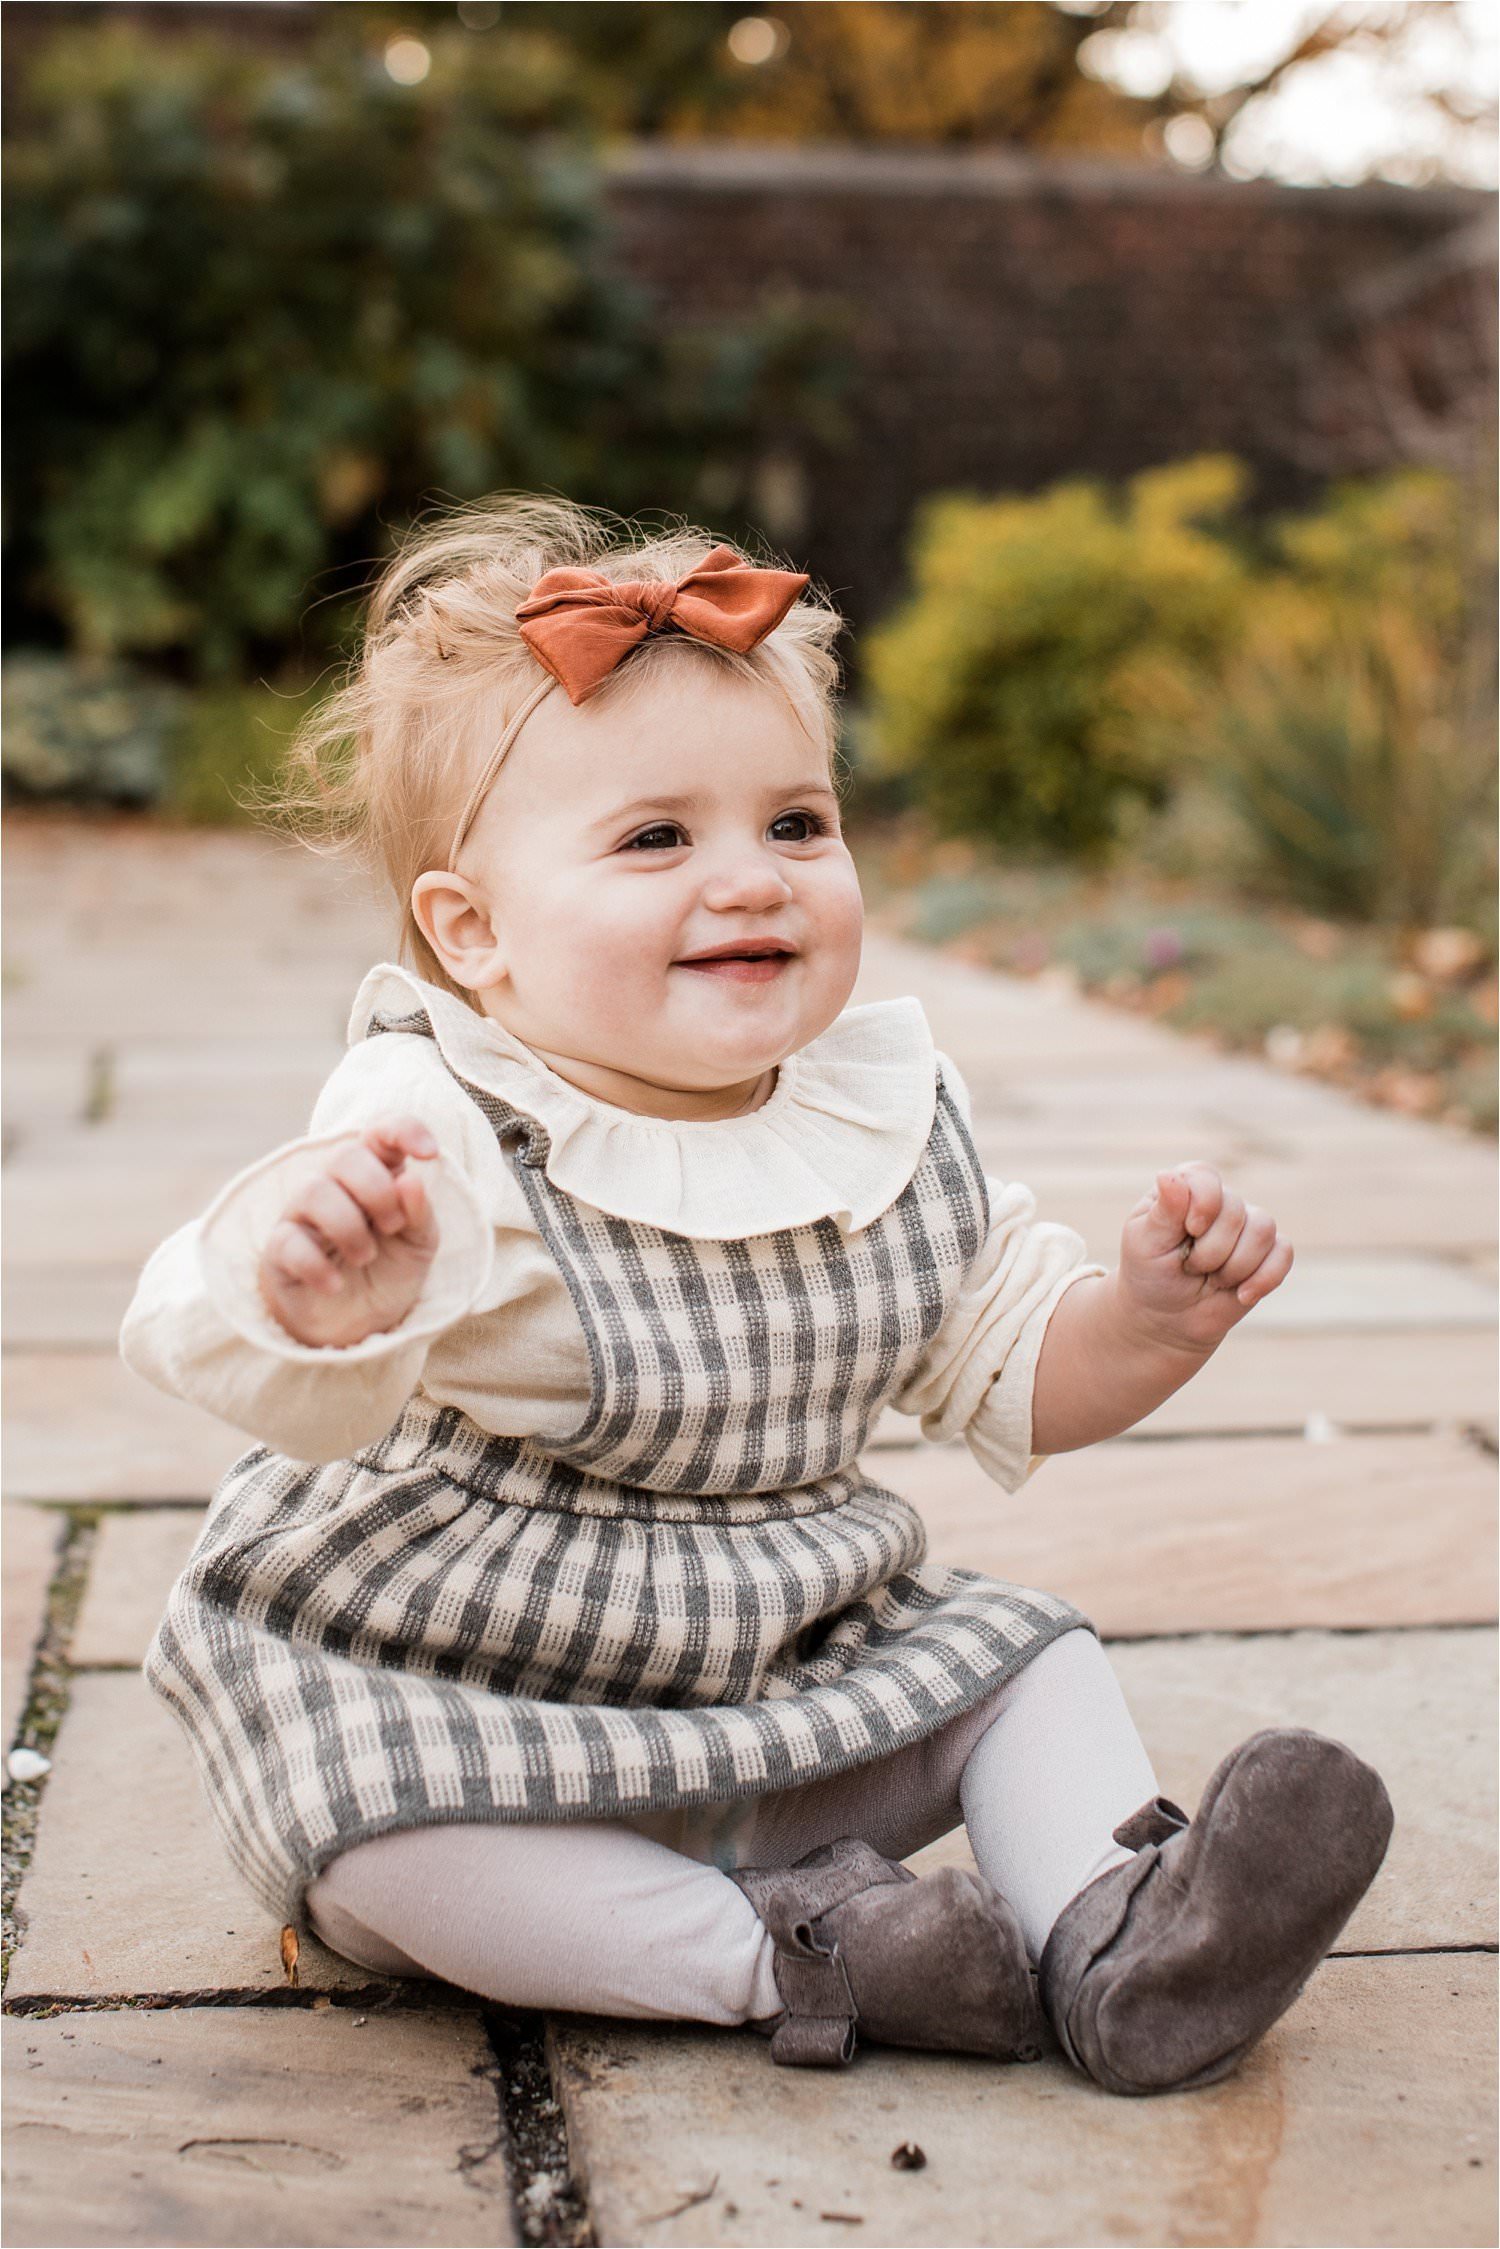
1304 1536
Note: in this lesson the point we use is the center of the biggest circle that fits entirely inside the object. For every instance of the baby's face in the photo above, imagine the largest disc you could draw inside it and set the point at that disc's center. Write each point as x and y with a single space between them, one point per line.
627 840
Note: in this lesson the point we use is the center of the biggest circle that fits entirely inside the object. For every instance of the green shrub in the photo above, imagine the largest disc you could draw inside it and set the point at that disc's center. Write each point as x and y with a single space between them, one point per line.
229 748
261 309
1354 727
105 732
1029 685
88 732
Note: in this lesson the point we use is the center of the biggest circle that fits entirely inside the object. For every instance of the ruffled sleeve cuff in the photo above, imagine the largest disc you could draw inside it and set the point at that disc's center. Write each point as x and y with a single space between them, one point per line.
236 1227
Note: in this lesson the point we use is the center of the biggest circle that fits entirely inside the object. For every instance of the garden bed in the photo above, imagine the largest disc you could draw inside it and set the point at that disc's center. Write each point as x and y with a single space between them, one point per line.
1407 1020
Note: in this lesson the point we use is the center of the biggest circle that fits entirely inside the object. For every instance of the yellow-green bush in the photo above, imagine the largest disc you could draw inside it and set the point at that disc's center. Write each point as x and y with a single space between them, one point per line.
1353 727
1042 670
1329 677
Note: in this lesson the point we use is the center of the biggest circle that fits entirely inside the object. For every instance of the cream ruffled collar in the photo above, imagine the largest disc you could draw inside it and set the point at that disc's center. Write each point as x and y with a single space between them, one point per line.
840 1136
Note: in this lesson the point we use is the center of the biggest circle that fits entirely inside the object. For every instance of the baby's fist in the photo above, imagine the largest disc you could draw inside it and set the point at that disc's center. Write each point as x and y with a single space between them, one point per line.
1195 1257
351 1250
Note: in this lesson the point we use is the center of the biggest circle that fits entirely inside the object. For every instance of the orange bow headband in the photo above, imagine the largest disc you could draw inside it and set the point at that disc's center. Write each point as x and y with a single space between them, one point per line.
580 625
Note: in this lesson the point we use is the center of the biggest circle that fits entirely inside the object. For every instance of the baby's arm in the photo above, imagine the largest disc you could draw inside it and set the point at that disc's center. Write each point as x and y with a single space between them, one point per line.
1043 1351
974 1380
1194 1259
202 1327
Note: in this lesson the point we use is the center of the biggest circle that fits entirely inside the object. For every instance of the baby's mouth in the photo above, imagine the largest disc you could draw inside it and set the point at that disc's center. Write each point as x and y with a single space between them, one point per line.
750 963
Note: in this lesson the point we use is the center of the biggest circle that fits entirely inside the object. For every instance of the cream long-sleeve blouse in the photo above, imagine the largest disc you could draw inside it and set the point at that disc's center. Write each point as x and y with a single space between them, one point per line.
494 1331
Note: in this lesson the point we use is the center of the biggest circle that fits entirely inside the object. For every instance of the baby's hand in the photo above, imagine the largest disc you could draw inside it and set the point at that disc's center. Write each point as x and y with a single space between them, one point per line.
351 1250
1194 1258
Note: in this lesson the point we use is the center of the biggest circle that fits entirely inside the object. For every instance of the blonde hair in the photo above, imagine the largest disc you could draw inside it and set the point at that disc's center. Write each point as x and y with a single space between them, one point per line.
382 766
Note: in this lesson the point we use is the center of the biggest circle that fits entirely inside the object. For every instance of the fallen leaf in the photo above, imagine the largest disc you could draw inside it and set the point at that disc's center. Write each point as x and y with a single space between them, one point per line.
1415 1092
1167 991
908 2157
1319 940
1330 1047
290 1947
1447 954
1411 995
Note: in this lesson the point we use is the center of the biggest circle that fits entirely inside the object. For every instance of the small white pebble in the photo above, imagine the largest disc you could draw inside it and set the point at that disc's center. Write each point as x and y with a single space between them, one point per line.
1318 1429
27 1764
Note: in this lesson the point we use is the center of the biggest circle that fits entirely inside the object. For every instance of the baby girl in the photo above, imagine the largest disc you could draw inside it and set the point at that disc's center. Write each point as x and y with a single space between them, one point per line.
552 1638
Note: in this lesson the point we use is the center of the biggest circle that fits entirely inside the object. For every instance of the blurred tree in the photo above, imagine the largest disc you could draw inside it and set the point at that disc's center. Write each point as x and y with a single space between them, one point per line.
922 71
1132 78
1186 86
1415 66
930 71
261 307
632 64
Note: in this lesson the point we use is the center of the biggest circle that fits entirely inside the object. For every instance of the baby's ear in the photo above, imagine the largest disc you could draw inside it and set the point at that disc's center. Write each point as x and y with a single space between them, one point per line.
454 917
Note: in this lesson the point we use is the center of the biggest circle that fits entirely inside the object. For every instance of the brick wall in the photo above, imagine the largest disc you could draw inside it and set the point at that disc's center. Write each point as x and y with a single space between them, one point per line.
1013 320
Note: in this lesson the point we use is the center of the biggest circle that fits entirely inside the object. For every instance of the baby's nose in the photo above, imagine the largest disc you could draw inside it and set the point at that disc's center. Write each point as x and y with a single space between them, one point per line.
746 879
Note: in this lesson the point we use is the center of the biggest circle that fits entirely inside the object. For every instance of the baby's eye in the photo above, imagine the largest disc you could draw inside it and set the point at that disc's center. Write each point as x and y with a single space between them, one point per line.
811 823
662 835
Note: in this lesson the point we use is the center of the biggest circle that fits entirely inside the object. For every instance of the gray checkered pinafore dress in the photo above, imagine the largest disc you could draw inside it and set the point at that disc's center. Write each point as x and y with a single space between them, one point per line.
696 1596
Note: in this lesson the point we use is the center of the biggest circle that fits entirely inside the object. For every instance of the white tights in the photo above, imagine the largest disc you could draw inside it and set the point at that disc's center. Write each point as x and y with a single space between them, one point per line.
635 1917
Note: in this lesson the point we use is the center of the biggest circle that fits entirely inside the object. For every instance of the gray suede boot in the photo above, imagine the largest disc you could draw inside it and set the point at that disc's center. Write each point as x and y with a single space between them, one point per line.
1164 1972
863 1947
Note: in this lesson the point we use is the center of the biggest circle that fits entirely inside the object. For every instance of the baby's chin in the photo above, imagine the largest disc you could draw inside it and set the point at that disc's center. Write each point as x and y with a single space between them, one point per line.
708 1067
730 1031
695 1033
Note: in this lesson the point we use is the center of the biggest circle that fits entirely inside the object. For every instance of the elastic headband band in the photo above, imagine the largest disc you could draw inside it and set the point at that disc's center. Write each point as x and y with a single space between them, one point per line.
482 786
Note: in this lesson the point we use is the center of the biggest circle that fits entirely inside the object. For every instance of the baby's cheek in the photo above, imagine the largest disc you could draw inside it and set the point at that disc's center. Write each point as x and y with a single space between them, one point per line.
835 924
622 976
635 932
838 908
599 979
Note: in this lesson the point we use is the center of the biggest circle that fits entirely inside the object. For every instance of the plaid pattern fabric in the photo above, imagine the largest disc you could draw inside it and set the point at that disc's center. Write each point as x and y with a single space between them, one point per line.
695 1596
750 1366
